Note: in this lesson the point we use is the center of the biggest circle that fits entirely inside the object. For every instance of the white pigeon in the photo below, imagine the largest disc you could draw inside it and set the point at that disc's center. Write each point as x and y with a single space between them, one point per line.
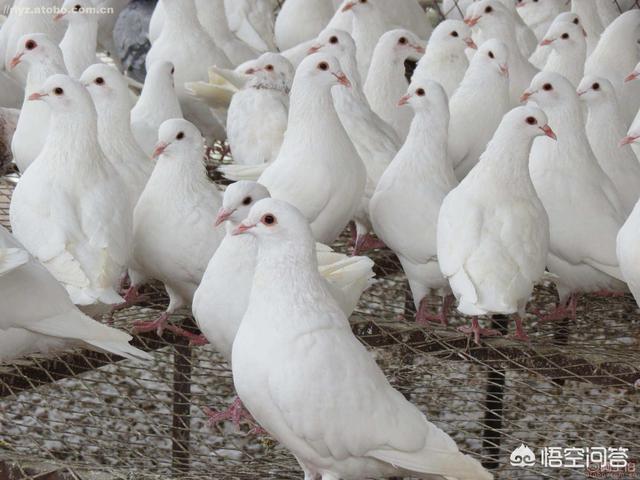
386 81
43 58
253 22
478 105
257 117
627 251
542 52
38 315
80 40
404 208
318 169
110 93
615 56
568 51
605 127
587 10
493 20
185 43
347 422
539 14
525 37
157 102
173 234
68 209
375 140
444 59
301 20
493 231
223 295
585 211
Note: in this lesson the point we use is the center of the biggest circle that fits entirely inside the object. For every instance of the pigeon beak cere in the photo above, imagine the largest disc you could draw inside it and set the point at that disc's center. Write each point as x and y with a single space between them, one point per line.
418 48
348 6
404 100
159 150
58 16
526 95
548 132
629 139
242 228
314 49
472 21
632 76
223 215
470 43
342 79
504 70
37 96
15 61
547 41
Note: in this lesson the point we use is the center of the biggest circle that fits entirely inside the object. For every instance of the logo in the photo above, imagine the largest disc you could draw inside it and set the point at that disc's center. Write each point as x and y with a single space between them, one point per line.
523 456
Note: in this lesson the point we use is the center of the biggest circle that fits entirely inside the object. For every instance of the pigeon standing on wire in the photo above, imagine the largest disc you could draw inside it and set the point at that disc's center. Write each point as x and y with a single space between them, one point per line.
68 209
493 231
405 206
318 170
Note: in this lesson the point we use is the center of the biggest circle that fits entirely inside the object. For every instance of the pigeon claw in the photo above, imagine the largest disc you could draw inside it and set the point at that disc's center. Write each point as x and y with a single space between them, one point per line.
477 331
158 325
236 413
194 339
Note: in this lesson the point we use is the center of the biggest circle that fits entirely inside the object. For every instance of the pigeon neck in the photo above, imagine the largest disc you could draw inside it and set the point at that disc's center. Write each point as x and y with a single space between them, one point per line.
185 172
158 95
114 123
180 17
507 159
605 119
42 69
587 10
428 137
212 14
350 67
81 34
80 136
310 104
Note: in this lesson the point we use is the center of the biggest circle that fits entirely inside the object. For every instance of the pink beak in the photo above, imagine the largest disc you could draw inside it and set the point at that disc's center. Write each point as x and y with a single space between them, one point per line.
404 100
58 16
314 49
342 79
547 41
160 148
242 228
504 70
223 216
418 48
548 132
472 21
37 96
629 139
348 6
632 76
15 61
470 43
584 32
525 96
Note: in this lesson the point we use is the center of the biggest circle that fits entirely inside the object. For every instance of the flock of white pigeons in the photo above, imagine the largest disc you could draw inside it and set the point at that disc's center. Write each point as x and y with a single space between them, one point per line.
510 156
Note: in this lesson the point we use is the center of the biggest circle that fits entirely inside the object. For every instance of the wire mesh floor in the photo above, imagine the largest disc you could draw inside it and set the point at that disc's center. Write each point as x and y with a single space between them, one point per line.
81 415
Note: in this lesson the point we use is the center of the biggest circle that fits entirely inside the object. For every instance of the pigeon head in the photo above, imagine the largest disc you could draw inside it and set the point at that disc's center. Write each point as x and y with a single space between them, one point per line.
486 13
596 90
33 48
549 90
63 94
493 54
401 45
334 42
323 69
272 70
77 11
178 137
634 75
356 6
238 200
454 34
564 36
105 84
528 121
276 221
161 70
425 95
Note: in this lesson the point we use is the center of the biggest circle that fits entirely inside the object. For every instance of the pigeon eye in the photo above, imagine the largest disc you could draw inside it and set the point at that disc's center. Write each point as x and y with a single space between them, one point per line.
535 1
576 21
269 68
30 45
363 1
564 36
323 66
77 8
247 201
100 81
269 219
173 70
596 86
489 9
402 41
420 92
531 120
333 40
547 87
180 136
58 91
454 34
491 55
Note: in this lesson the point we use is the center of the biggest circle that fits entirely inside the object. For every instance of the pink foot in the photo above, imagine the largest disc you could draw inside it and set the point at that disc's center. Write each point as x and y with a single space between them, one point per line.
194 340
520 333
424 317
477 331
236 413
561 311
158 325
131 298
365 243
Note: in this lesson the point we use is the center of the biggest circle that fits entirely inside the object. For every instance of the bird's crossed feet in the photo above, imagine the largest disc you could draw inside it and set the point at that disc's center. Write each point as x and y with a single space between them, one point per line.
236 413
423 316
364 243
159 324
477 331
561 312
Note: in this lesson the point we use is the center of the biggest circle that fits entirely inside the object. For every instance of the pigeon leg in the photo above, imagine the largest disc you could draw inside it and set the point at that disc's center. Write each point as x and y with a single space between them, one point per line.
158 325
520 333
423 316
131 297
478 331
236 413
568 310
194 340
365 243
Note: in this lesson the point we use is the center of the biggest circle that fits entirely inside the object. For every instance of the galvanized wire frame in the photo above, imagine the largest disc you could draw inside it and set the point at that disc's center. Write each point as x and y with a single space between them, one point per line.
80 415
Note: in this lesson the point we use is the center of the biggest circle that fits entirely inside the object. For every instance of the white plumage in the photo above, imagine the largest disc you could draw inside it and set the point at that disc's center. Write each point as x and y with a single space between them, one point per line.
80 40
